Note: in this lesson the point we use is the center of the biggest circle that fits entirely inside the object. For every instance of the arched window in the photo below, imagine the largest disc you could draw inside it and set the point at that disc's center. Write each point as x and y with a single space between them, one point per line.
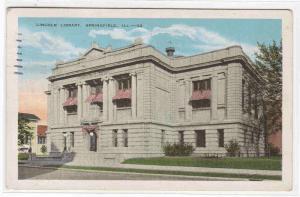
93 141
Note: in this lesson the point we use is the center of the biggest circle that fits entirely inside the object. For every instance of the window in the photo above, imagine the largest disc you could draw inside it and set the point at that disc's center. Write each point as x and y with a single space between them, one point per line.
125 137
124 83
201 94
72 92
41 140
200 138
162 138
71 103
123 103
201 103
65 141
221 137
93 141
181 137
115 138
72 139
201 85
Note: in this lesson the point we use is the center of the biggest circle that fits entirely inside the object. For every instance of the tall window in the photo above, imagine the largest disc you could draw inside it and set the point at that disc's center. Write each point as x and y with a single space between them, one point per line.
221 137
72 139
65 141
71 103
125 137
115 138
162 138
181 137
201 94
93 141
200 138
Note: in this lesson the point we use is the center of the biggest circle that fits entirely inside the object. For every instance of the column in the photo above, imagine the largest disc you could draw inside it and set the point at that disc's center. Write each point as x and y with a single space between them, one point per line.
214 98
111 93
55 106
79 102
134 95
105 100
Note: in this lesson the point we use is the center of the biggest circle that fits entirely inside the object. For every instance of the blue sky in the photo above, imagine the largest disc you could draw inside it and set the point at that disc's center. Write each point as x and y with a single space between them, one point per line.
43 46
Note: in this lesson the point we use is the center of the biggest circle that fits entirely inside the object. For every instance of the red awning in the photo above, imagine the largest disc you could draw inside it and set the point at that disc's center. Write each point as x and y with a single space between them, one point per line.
89 128
123 94
95 98
71 101
90 98
200 95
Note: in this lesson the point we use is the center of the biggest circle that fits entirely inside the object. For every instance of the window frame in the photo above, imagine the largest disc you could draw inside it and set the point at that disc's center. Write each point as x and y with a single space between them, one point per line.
200 142
221 136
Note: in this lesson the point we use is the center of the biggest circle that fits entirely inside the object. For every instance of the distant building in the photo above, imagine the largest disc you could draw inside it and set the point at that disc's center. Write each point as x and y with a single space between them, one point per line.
41 138
109 105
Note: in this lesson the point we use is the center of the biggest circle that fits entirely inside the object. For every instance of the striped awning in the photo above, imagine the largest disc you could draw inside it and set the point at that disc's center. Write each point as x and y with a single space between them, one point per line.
201 95
122 94
71 101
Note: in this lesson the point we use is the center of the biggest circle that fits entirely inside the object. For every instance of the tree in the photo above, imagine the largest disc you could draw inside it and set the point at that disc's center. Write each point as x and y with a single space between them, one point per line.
24 131
268 63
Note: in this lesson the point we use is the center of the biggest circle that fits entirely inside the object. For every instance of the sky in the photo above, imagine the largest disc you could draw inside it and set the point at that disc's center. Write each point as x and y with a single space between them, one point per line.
48 40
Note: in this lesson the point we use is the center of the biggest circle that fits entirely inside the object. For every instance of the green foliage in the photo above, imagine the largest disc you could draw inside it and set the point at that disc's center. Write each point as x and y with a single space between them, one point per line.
43 149
177 149
23 156
269 64
274 151
24 130
232 148
258 163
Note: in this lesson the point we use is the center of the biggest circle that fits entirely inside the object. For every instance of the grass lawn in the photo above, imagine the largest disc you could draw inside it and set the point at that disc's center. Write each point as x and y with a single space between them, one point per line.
262 163
208 174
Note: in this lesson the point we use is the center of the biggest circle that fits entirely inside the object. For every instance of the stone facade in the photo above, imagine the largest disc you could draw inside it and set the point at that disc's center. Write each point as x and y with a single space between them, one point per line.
109 105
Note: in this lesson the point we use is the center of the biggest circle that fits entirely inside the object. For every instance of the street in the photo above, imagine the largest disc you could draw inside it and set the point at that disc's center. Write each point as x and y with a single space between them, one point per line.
32 173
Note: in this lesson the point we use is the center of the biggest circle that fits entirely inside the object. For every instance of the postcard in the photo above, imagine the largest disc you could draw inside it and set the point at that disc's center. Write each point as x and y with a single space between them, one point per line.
149 99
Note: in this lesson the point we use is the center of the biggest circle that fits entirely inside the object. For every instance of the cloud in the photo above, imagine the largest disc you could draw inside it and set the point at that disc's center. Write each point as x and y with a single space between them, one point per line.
50 44
202 38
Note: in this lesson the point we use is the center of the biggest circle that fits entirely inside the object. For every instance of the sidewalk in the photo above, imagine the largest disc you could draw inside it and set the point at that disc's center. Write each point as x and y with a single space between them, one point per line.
199 169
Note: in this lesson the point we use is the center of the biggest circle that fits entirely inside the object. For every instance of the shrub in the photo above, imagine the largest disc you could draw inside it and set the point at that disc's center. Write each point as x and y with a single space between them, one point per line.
177 149
274 151
44 149
232 148
23 156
